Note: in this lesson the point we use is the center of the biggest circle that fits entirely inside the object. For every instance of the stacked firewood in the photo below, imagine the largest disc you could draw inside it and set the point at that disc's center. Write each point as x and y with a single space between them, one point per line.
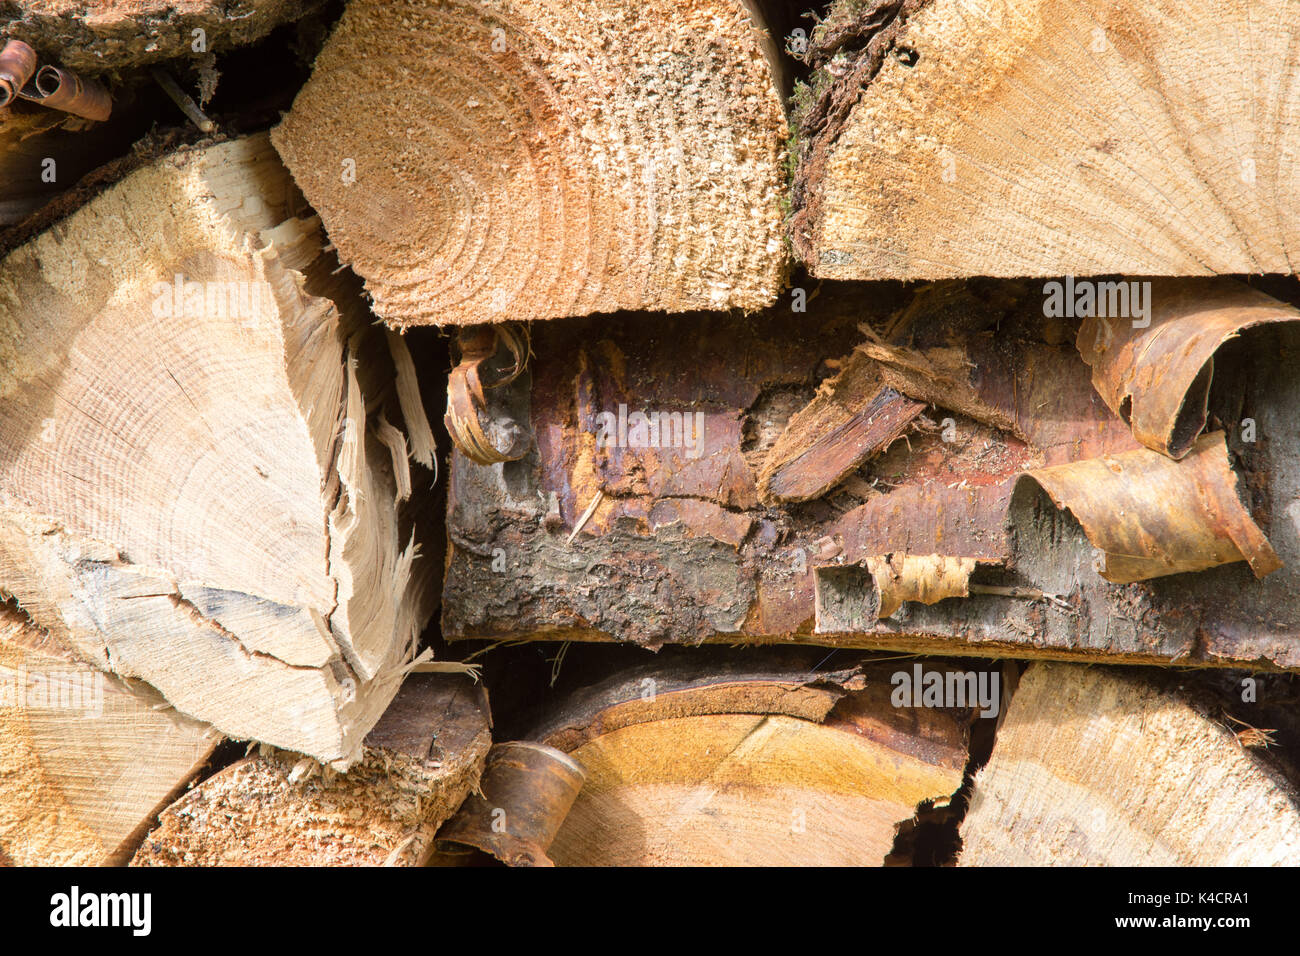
436 432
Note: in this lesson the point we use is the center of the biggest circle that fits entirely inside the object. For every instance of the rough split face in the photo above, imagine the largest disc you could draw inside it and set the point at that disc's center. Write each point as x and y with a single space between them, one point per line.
189 493
1044 137
566 156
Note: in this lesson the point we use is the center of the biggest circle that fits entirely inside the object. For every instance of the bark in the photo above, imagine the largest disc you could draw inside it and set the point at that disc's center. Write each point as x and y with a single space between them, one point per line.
128 33
527 791
1158 374
681 548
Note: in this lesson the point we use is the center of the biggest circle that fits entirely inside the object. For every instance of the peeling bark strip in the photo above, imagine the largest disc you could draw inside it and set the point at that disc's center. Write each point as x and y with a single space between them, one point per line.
1093 767
60 89
761 760
484 161
770 680
1051 137
681 549
527 791
467 398
190 492
852 419
895 578
277 809
1149 517
1158 375
17 65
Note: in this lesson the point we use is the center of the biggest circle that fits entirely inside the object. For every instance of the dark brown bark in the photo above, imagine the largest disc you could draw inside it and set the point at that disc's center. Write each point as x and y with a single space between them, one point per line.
680 549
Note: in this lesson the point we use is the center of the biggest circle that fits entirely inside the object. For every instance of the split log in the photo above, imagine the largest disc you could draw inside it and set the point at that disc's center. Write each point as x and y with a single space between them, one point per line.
86 761
191 490
1098 767
420 761
759 763
127 33
482 161
945 138
679 546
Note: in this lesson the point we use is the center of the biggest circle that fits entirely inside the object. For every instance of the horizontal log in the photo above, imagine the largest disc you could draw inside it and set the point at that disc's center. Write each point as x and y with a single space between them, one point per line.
666 427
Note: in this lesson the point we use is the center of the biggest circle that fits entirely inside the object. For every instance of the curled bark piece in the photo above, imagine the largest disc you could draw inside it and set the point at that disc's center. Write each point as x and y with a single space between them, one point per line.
1149 516
466 397
852 597
64 90
1158 376
928 578
527 791
17 64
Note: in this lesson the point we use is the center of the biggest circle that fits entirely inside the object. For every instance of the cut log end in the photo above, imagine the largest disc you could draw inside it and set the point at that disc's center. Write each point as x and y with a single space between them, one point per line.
1093 767
1049 137
547 151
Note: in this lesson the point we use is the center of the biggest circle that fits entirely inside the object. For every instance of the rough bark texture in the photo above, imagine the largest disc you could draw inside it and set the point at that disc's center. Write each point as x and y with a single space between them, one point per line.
1097 767
97 37
488 160
419 762
980 137
679 547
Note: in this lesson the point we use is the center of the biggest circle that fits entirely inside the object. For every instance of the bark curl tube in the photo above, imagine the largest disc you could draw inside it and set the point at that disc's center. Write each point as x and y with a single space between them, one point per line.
467 399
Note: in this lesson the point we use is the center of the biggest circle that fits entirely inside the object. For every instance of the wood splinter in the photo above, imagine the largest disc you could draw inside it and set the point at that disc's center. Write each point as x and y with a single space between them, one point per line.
183 100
